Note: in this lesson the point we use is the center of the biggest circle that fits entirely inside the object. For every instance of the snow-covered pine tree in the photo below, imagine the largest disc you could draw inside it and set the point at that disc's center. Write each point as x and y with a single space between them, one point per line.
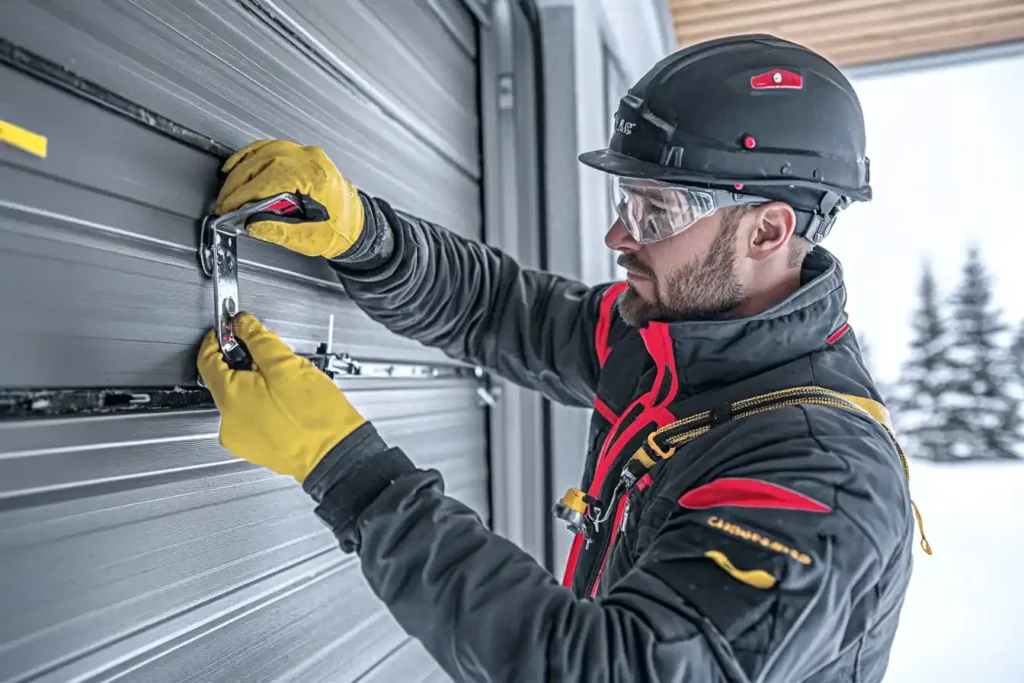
924 377
981 413
1017 351
1016 424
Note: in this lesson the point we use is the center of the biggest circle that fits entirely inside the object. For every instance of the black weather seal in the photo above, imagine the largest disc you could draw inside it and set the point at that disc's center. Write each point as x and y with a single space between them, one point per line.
43 69
22 403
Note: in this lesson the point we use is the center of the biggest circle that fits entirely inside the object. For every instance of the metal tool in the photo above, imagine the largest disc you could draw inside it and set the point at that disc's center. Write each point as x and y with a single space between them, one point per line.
332 364
218 256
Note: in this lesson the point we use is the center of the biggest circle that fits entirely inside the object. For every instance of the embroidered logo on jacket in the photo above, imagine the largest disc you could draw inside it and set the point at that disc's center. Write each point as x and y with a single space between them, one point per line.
754 537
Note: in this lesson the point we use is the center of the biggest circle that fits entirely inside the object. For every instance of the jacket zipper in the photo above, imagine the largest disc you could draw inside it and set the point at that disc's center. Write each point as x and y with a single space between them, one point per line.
688 428
607 533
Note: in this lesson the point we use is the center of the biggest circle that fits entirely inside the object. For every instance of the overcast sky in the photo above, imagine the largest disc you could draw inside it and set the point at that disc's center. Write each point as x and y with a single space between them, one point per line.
947 167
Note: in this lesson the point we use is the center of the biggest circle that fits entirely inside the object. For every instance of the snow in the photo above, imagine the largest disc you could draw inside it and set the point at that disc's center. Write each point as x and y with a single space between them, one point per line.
964 615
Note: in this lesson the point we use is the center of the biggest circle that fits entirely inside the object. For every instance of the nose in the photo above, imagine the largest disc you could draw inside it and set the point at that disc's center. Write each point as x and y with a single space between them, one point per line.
618 238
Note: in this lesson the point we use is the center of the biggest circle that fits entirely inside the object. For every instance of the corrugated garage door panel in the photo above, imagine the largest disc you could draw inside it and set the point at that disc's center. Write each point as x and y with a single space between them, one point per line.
102 237
132 546
50 460
230 70
200 566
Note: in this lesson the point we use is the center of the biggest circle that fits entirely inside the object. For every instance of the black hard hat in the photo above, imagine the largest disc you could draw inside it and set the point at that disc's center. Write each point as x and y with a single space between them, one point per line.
753 113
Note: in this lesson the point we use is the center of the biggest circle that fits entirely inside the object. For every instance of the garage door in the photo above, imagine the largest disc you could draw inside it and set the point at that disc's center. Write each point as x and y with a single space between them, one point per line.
132 546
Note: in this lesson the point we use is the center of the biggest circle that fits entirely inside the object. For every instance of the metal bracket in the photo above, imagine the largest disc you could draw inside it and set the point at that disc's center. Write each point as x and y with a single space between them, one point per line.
489 395
218 256
336 365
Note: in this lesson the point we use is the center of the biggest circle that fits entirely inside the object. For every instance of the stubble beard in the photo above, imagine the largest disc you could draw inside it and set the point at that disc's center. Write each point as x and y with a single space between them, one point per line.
704 288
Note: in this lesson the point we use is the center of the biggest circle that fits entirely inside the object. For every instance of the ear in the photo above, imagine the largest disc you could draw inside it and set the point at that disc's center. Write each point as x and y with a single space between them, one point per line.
773 225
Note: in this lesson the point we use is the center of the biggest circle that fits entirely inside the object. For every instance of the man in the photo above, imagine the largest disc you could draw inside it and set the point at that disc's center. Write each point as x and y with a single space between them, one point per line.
732 527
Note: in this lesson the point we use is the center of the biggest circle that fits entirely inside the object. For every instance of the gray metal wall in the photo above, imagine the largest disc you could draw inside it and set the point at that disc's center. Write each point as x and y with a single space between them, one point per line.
514 222
132 546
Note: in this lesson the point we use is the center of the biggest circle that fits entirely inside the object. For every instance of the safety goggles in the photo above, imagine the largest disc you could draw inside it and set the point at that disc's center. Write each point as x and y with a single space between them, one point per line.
652 210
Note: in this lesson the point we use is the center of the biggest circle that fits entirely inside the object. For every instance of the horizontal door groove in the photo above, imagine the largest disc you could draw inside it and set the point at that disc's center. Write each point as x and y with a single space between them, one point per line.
38 67
290 29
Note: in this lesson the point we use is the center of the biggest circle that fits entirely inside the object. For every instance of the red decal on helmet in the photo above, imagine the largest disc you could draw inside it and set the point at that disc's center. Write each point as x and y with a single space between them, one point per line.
777 78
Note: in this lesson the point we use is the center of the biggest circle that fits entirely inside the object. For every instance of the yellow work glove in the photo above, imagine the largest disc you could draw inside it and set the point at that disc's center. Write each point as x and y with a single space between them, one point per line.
284 414
268 167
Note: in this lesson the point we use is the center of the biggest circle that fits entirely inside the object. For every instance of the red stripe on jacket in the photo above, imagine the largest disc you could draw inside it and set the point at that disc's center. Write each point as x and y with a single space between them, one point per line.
659 347
749 493
604 321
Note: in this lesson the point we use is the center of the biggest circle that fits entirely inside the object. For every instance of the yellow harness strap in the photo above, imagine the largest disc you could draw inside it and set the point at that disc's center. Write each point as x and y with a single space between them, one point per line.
662 444
808 395
881 415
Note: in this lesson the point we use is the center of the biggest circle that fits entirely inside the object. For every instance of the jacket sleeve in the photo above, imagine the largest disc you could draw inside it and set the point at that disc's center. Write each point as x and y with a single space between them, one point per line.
717 594
475 303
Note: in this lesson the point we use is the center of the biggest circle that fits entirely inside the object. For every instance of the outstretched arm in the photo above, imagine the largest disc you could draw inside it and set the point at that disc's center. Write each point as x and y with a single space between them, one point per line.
475 303
422 281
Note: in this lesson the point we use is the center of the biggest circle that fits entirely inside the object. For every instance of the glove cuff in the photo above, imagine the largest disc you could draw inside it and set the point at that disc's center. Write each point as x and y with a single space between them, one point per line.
352 475
375 243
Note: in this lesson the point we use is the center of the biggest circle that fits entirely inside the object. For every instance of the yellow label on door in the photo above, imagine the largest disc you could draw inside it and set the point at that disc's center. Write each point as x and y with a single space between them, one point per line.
23 139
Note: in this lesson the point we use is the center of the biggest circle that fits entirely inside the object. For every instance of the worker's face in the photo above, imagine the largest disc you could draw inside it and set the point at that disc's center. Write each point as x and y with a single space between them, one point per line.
692 275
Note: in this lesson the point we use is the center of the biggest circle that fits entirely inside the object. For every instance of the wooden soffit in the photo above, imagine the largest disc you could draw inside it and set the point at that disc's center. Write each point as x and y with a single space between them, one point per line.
857 32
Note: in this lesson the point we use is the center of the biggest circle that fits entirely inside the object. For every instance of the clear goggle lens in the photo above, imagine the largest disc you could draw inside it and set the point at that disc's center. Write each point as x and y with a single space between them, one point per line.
652 210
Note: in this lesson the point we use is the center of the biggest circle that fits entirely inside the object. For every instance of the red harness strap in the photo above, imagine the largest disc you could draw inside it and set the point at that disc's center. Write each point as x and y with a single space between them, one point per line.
659 347
604 321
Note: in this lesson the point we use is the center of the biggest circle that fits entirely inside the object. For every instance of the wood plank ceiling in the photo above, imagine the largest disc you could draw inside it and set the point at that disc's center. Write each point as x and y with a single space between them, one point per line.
855 32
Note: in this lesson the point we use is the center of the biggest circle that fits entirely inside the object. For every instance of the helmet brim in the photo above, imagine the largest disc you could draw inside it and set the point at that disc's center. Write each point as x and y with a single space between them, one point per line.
617 163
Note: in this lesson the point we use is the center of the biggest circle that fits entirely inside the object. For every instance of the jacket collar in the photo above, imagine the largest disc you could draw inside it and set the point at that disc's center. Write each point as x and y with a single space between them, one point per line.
710 354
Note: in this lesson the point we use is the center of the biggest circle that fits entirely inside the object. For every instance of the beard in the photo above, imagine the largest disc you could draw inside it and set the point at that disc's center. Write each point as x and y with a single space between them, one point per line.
704 288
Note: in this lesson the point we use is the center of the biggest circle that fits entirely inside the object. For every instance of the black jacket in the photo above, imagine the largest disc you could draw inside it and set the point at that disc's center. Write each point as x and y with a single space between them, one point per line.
774 547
